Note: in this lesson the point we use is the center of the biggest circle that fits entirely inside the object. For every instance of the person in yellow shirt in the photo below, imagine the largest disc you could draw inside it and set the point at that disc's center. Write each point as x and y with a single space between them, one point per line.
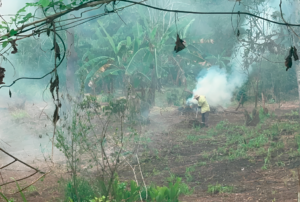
202 103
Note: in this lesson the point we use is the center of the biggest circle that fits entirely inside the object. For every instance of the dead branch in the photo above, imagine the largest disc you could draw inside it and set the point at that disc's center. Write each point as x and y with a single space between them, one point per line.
16 159
142 175
30 183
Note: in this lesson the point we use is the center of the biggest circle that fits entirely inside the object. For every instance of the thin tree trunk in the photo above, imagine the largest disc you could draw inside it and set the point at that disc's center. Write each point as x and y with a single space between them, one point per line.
263 99
296 7
298 79
256 94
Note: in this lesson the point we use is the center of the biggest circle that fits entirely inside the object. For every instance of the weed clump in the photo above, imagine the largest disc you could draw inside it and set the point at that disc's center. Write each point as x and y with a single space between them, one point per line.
218 188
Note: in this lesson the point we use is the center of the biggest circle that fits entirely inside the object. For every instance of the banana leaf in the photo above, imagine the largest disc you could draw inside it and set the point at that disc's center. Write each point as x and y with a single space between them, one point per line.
128 42
109 72
120 44
100 62
185 30
110 39
136 61
158 69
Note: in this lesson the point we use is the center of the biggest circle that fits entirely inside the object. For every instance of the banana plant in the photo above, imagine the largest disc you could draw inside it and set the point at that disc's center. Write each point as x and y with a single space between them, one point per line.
218 59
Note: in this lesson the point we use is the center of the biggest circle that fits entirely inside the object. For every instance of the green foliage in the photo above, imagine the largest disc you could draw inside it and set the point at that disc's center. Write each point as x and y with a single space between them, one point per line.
262 115
89 102
120 191
172 97
293 113
167 194
188 172
218 188
101 199
81 191
219 59
242 92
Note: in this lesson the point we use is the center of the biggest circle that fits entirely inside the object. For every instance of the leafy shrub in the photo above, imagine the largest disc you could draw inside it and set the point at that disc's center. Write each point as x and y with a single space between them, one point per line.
173 98
82 191
120 191
262 115
242 92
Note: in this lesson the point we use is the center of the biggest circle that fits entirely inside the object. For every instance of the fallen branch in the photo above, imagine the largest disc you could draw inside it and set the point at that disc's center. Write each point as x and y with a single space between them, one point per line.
16 159
31 183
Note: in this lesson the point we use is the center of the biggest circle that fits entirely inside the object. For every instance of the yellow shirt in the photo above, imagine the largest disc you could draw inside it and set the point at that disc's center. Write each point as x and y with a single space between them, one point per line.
203 104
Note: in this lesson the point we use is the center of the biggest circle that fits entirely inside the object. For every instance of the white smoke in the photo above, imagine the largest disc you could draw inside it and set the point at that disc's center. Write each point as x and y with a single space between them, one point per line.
217 86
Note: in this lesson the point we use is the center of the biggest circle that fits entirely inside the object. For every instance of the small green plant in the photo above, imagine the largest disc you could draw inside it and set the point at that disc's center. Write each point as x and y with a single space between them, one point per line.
221 125
193 138
168 194
203 163
188 172
280 164
218 188
81 191
12 199
101 199
31 188
271 101
121 192
267 160
293 113
262 115
173 98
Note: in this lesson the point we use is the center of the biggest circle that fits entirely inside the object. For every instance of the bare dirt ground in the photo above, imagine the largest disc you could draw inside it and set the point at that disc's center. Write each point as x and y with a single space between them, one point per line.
201 157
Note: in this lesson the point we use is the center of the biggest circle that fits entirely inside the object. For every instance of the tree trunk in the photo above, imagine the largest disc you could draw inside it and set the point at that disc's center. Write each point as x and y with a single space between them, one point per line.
298 79
263 100
256 94
296 6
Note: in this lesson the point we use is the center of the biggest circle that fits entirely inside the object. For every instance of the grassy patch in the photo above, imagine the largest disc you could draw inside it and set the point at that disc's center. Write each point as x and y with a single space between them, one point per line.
218 188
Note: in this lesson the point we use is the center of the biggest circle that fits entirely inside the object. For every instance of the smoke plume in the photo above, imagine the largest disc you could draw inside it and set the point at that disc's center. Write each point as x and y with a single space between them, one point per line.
217 85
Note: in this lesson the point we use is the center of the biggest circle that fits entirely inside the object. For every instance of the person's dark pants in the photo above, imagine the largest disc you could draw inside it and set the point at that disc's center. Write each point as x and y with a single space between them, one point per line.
205 118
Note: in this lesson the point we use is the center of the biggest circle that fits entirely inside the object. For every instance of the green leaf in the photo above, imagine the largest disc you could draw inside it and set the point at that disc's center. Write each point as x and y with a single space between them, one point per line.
153 33
4 44
122 43
22 195
44 3
13 32
158 69
110 39
128 42
136 61
184 33
26 18
22 10
2 195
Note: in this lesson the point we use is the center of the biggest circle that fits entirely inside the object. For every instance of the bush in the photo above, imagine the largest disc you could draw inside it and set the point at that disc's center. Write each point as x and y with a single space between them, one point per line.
242 92
80 190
